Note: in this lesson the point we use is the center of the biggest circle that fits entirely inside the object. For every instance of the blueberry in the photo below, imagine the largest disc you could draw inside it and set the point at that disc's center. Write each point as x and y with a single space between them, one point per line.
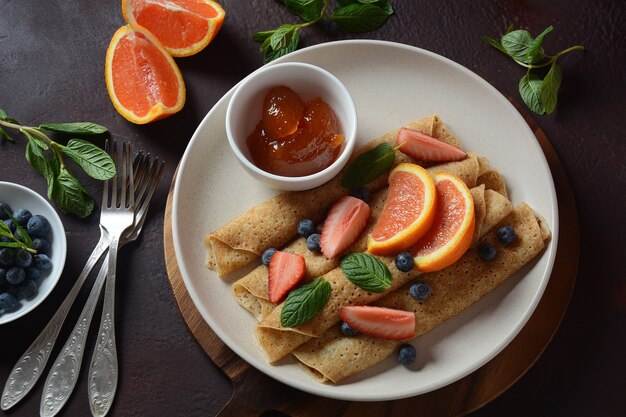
346 330
23 258
22 216
41 245
10 225
361 193
33 273
15 275
7 257
3 274
419 290
405 262
313 243
406 354
38 226
506 235
4 239
486 251
267 256
8 302
5 210
42 262
306 227
27 289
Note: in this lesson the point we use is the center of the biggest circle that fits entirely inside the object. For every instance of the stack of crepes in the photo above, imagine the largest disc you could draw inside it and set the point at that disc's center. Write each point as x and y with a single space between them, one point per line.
318 344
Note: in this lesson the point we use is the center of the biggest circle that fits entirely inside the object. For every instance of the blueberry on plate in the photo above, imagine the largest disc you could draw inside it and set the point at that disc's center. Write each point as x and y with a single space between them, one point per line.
486 251
10 225
419 290
406 354
41 245
15 275
5 210
506 235
306 228
27 289
42 262
361 193
313 243
7 257
38 226
22 216
348 331
8 302
23 258
32 273
405 262
267 256
3 274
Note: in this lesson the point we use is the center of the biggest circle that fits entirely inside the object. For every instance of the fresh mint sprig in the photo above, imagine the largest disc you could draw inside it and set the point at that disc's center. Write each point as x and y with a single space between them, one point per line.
540 95
22 240
366 272
47 157
353 16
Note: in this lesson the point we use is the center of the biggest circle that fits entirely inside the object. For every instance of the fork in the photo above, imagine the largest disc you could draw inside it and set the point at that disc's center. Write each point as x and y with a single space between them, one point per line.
117 216
64 372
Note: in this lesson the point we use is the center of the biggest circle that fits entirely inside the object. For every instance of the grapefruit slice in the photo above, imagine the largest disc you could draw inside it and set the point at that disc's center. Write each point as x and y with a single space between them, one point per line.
184 27
408 213
143 81
451 233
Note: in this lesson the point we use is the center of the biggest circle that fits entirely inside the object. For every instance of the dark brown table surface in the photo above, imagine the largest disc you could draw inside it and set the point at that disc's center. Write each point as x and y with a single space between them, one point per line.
51 69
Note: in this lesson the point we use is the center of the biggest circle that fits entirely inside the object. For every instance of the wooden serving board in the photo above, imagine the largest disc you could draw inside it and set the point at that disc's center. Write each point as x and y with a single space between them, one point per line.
254 392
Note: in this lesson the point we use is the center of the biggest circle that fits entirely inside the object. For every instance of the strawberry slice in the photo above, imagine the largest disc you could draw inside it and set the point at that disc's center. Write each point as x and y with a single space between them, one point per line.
344 224
285 271
382 322
422 147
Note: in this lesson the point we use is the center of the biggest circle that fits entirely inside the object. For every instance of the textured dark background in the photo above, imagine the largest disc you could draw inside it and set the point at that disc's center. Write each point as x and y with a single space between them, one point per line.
51 69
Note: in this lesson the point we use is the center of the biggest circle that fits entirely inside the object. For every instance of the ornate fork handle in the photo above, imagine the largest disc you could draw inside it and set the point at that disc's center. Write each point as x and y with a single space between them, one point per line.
64 372
30 366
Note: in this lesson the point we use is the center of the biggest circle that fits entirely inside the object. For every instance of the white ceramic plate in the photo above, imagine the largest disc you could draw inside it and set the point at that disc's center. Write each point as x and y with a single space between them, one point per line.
392 84
18 197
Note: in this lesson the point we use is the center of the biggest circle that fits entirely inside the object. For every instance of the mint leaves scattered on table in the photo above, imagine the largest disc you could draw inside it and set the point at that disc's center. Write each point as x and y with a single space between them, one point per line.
354 16
48 158
540 95
305 302
366 272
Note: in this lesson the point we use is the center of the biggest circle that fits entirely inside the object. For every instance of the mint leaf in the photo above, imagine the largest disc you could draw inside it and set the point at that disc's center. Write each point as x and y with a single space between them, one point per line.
290 47
305 302
530 90
3 114
5 136
4 230
368 166
37 158
517 44
535 51
309 10
359 17
11 245
70 195
21 234
367 272
92 159
34 139
75 128
550 88
495 43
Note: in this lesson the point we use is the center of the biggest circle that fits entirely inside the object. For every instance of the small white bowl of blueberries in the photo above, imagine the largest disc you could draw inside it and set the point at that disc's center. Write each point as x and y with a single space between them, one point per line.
32 250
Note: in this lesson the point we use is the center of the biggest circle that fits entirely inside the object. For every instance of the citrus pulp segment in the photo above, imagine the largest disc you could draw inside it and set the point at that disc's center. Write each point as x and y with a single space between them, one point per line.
408 213
451 233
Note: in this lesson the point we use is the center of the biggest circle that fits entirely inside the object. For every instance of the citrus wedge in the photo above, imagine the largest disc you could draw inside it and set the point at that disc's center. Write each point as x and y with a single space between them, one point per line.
143 81
451 233
408 213
184 27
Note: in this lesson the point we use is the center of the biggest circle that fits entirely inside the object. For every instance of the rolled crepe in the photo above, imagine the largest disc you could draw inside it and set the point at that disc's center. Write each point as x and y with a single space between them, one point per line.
334 357
273 222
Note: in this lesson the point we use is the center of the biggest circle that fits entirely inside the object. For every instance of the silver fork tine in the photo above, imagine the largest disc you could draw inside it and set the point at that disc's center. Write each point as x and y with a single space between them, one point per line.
105 190
114 180
131 182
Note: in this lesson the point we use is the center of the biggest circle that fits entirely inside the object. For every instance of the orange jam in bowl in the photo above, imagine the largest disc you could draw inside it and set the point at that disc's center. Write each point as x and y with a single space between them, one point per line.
294 138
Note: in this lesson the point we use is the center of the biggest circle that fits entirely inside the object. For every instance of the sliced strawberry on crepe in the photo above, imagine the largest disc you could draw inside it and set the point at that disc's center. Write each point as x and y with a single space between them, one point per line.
285 272
423 147
344 224
382 322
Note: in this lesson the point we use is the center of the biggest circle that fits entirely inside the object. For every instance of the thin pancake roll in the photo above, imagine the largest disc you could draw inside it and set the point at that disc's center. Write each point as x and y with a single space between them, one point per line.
272 223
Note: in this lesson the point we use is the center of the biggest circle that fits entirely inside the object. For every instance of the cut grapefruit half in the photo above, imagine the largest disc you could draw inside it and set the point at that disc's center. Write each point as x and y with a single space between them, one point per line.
451 233
408 213
143 81
184 27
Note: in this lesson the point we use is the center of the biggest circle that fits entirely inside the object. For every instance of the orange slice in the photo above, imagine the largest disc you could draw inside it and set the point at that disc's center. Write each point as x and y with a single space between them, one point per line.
143 81
451 233
408 213
184 27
